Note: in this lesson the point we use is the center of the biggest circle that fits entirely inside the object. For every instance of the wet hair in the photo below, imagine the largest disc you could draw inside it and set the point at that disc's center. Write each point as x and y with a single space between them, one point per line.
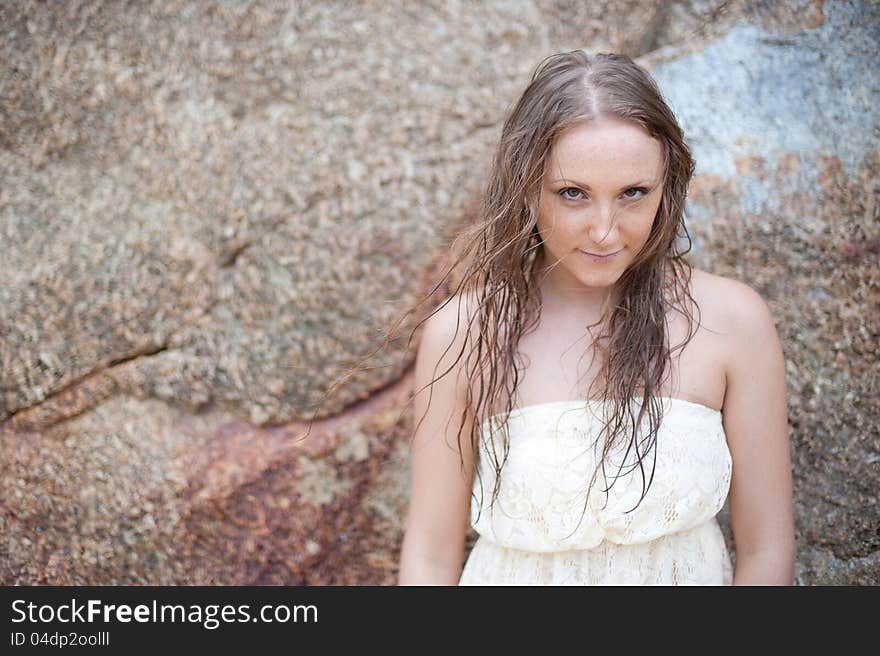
500 251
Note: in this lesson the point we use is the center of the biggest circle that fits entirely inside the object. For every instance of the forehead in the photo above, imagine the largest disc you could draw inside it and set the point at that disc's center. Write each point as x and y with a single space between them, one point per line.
606 151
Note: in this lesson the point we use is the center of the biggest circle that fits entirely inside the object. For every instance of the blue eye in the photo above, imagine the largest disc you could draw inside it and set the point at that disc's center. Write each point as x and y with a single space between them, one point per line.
564 195
642 191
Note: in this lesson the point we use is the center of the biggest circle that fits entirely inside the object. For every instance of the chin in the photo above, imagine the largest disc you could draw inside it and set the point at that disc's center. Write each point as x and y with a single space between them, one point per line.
599 279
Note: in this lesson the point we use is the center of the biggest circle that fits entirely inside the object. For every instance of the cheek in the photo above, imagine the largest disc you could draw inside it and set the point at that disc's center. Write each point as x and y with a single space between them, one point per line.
641 220
551 221
559 229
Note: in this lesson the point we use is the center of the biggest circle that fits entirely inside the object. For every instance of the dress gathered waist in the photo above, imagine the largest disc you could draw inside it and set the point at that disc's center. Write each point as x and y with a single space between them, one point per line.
544 528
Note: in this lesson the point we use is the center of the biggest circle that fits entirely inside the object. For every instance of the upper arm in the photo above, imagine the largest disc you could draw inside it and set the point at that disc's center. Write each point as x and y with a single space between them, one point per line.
756 423
440 487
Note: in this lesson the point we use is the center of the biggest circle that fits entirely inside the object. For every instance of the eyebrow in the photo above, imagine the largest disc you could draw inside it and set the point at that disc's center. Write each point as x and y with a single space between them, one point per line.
575 183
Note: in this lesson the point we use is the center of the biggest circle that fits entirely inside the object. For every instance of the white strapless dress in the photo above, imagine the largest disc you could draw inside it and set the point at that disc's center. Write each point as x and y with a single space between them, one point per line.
538 532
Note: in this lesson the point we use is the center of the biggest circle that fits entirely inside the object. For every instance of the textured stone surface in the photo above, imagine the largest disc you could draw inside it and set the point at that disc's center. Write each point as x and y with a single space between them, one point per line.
787 199
206 209
244 193
167 497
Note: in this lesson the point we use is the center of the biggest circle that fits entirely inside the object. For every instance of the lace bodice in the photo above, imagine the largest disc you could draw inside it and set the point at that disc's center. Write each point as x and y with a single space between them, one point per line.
553 451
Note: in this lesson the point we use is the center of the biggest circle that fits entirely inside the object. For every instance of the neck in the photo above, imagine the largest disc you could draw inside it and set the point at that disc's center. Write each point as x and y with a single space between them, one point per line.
562 294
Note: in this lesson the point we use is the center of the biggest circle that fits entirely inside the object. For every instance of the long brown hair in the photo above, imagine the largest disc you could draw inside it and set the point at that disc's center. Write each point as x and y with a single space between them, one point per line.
500 252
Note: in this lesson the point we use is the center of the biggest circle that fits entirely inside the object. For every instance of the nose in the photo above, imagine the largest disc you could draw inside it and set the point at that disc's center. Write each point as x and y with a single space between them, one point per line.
601 223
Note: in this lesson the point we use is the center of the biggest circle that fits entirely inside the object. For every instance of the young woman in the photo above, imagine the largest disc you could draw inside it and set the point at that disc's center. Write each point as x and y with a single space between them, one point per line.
598 399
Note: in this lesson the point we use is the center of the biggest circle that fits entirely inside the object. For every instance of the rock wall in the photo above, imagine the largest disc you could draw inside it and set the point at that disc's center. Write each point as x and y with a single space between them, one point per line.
786 199
208 210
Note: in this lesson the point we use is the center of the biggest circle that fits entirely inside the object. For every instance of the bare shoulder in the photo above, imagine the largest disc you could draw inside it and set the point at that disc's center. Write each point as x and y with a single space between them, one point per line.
755 419
451 321
740 314
732 304
444 341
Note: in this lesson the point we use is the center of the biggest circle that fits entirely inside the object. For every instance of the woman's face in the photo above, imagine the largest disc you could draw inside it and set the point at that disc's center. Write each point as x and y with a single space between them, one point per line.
600 191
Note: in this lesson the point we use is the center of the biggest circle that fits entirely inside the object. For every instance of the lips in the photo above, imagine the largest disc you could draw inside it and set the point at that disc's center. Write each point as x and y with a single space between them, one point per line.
601 254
